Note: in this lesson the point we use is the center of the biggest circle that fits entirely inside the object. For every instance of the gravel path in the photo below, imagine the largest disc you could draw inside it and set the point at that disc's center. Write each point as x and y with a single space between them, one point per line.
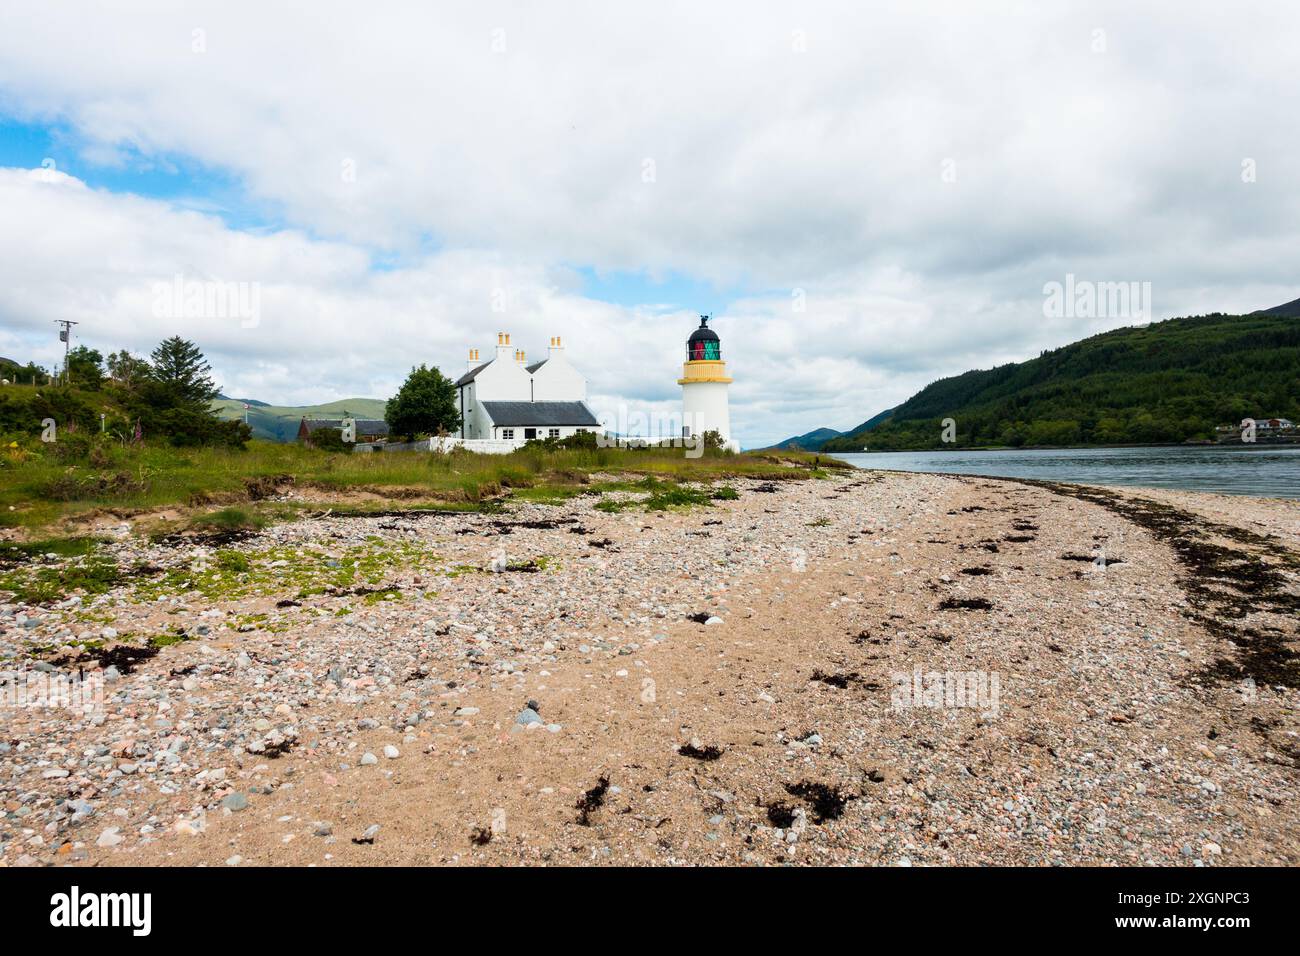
880 669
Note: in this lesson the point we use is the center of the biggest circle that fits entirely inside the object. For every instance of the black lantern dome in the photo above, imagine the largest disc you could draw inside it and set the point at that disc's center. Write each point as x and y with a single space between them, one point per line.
704 344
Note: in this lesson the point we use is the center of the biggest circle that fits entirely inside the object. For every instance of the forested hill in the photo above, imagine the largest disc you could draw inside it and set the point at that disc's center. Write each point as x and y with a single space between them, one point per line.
1169 381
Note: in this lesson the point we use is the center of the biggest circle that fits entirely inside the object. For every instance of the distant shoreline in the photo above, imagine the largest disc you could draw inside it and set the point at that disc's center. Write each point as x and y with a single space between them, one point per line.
1264 442
1249 470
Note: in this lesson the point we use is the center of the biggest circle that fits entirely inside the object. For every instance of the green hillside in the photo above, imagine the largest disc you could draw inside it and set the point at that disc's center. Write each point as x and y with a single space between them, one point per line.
280 422
811 441
1170 381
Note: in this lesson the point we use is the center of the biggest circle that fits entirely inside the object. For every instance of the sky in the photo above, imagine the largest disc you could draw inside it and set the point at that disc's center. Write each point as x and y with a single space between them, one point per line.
866 197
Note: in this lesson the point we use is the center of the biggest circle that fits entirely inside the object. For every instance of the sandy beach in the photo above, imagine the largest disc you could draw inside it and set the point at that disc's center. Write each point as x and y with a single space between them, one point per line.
880 669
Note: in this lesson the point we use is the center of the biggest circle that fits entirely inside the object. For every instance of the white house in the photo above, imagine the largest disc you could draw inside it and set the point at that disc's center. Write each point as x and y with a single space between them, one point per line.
507 402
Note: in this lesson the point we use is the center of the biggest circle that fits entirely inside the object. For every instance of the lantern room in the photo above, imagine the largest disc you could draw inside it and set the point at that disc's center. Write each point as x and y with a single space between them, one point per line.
704 345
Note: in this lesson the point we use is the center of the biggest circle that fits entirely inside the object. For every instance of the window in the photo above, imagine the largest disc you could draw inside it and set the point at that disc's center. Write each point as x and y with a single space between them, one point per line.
507 433
530 434
554 433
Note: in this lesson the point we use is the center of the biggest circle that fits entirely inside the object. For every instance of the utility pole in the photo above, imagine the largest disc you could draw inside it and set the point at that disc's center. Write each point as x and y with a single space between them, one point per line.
65 336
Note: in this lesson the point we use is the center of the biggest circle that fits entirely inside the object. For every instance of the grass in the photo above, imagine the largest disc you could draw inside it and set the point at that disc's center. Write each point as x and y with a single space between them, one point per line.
73 547
40 491
230 519
664 495
92 574
623 479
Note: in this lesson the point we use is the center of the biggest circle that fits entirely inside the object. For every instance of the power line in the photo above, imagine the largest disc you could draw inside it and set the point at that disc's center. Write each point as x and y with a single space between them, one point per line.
65 336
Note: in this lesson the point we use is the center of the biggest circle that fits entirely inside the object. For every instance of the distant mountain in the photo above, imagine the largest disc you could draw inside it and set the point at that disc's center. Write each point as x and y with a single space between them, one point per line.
280 422
812 441
870 423
251 401
1291 308
1169 381
816 440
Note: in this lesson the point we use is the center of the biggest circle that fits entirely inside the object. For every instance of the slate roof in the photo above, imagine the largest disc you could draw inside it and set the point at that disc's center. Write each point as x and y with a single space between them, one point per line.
469 376
536 365
365 426
539 413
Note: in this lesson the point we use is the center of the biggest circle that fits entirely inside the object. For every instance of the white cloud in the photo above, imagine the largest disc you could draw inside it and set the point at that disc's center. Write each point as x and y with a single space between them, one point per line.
773 169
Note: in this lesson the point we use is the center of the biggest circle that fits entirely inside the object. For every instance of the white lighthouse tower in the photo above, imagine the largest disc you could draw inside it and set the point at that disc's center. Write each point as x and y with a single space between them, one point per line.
704 384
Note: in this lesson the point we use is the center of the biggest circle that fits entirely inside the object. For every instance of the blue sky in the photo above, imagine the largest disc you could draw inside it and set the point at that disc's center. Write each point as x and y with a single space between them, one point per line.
190 184
177 179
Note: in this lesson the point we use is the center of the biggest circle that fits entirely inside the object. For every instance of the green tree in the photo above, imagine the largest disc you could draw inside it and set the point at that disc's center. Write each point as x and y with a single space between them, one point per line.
173 401
85 367
126 369
179 369
424 405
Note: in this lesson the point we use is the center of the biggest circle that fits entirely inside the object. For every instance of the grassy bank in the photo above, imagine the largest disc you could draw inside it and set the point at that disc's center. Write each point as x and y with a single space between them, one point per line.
226 487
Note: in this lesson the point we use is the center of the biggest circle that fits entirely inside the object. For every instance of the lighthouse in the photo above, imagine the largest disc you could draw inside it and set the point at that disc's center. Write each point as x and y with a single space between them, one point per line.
704 384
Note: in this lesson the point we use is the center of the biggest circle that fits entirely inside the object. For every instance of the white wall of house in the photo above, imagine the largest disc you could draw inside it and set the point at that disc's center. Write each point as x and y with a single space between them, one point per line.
558 381
484 446
504 380
520 433
489 446
476 423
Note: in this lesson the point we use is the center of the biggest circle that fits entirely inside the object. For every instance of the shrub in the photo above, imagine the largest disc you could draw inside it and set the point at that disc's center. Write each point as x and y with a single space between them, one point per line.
330 439
185 428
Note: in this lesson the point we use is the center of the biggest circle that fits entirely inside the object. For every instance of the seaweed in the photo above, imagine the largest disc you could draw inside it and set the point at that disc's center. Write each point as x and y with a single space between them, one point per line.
827 802
780 815
592 800
841 681
1223 584
706 753
965 604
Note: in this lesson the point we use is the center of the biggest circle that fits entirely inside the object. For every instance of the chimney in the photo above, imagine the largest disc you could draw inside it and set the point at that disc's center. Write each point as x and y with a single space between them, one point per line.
473 360
503 344
556 347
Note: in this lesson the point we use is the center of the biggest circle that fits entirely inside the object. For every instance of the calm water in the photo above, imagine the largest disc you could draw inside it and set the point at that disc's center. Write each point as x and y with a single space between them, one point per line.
1264 470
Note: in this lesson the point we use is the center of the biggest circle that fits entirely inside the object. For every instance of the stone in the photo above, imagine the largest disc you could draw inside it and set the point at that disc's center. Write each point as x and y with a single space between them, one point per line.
368 759
110 838
234 802
528 716
391 752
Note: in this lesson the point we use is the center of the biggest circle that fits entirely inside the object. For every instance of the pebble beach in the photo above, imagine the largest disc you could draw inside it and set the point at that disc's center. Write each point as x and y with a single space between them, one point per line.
873 669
